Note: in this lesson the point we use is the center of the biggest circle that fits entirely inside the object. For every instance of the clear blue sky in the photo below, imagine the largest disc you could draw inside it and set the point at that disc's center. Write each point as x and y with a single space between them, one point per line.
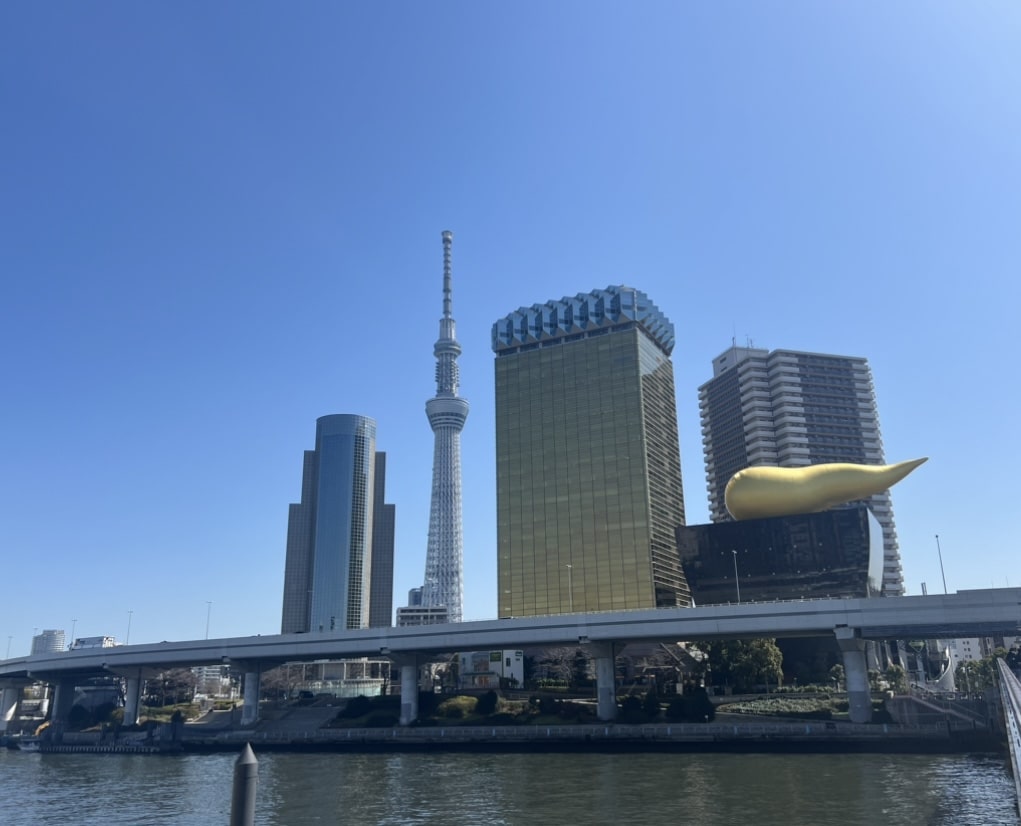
221 221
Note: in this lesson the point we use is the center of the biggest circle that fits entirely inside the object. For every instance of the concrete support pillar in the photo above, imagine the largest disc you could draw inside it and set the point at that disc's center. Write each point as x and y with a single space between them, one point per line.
8 705
250 710
63 699
606 681
856 675
409 691
132 694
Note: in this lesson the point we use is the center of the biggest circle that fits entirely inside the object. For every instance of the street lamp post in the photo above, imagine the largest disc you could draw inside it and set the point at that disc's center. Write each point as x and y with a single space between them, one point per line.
127 637
570 590
209 611
74 624
737 579
940 552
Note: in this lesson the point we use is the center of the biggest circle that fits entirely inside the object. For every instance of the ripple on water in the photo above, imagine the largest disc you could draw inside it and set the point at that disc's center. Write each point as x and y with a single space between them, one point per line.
512 789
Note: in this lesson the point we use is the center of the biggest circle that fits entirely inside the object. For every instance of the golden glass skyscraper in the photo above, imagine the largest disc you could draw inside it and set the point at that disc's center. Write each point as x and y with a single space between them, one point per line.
588 457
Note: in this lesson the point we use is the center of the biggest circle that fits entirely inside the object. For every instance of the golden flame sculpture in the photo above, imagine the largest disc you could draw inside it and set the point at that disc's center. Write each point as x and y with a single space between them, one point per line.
760 492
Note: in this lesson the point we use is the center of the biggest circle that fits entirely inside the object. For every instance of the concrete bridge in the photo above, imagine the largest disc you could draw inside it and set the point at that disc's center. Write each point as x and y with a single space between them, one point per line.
852 622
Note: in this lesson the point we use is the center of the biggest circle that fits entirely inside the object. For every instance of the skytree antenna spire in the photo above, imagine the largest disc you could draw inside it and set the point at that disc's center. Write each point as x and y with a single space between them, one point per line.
448 240
447 412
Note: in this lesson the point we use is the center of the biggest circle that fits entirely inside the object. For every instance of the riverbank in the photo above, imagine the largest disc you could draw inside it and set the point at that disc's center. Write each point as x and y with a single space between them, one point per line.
741 737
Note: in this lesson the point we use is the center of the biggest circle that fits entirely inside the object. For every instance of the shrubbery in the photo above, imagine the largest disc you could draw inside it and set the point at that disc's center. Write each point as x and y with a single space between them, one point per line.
631 711
803 708
382 719
457 708
356 707
695 707
487 703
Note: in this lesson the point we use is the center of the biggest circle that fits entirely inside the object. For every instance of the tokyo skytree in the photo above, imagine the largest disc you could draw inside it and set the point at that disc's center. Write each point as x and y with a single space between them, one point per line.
443 586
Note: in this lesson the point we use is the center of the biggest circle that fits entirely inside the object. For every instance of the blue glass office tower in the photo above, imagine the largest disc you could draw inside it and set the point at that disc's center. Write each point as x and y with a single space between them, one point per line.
328 571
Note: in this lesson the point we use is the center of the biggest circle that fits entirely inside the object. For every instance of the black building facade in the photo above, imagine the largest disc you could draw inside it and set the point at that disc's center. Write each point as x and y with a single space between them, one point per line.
836 553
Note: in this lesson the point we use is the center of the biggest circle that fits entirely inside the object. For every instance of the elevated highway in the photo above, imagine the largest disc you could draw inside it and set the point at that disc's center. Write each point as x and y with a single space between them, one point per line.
853 621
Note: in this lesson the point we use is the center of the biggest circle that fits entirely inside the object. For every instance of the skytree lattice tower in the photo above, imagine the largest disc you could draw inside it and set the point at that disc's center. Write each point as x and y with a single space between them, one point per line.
447 412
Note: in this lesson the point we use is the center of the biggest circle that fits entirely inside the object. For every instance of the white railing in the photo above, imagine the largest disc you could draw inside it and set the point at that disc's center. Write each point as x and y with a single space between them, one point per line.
1010 692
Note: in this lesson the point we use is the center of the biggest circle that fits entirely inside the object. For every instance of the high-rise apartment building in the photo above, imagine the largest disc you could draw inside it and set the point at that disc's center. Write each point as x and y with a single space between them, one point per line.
444 558
588 458
331 547
791 409
48 642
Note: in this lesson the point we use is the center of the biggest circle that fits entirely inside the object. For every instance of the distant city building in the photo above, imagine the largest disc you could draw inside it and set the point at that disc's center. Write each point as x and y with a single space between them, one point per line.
48 642
422 615
343 678
990 644
490 669
791 409
212 680
444 558
330 545
381 593
587 457
966 649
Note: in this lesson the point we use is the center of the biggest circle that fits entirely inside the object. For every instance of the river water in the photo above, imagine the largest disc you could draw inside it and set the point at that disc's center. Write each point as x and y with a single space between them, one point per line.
512 789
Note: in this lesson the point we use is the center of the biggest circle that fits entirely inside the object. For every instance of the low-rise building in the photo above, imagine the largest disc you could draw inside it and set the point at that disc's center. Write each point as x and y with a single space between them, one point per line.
490 669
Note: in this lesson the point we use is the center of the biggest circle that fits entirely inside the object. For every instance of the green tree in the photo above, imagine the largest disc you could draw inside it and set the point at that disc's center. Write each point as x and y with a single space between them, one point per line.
700 707
580 670
650 705
487 703
556 664
742 664
761 662
177 685
677 708
837 675
693 706
897 677
631 711
977 676
79 717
